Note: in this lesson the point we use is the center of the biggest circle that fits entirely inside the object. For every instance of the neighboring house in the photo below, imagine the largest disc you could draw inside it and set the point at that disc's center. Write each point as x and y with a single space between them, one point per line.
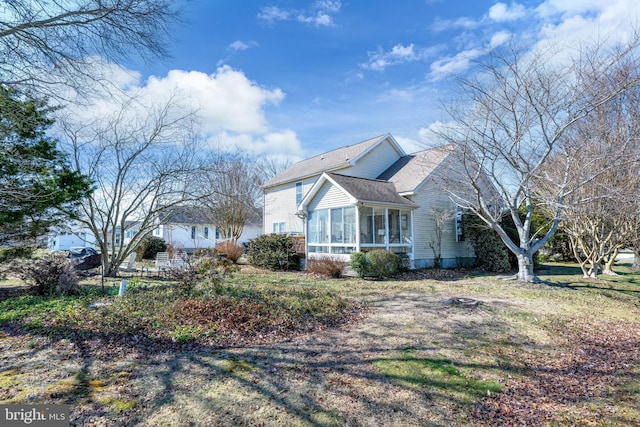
72 236
366 196
189 228
253 226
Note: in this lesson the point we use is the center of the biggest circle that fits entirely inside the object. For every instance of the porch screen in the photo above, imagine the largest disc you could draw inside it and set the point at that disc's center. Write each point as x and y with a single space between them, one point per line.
319 226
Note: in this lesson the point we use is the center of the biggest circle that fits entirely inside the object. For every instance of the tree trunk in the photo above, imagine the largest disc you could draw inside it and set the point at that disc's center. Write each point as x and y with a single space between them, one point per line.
608 265
525 268
636 258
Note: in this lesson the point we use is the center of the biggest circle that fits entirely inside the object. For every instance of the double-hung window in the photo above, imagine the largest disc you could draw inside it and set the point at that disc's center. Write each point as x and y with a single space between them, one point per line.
298 193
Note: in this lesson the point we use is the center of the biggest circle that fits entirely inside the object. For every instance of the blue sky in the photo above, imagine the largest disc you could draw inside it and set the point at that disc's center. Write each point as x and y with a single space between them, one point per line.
294 78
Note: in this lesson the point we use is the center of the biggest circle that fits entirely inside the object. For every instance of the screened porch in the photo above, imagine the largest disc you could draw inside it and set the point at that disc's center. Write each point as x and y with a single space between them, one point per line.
346 229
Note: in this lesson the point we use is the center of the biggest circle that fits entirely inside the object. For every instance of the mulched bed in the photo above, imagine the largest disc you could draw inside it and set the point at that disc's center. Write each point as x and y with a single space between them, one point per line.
601 358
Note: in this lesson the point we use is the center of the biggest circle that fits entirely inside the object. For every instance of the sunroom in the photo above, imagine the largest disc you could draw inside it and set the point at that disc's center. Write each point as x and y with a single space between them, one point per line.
347 214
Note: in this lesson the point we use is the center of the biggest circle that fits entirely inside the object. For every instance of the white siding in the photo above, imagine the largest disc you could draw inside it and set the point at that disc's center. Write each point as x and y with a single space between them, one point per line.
328 196
179 236
374 162
280 206
430 197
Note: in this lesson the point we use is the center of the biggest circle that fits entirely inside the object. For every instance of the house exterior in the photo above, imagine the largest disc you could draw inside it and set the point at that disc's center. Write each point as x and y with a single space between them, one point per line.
366 196
189 228
74 235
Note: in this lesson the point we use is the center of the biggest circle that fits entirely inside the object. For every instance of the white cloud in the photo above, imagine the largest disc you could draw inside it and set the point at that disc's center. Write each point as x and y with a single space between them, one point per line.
454 64
273 14
501 12
440 25
226 99
227 104
239 45
399 54
284 143
499 38
320 14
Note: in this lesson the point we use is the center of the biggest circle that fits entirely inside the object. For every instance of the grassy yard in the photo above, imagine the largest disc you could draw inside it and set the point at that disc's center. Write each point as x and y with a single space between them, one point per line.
290 349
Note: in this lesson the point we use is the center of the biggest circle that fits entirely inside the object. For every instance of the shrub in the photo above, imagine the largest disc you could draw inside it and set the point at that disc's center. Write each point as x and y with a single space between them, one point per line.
52 274
232 250
150 246
360 264
384 263
326 266
490 251
273 251
208 272
15 252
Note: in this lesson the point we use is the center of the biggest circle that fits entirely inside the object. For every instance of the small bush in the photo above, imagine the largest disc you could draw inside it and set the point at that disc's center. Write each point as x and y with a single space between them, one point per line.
232 250
273 251
326 266
15 252
206 272
52 274
150 246
360 264
384 263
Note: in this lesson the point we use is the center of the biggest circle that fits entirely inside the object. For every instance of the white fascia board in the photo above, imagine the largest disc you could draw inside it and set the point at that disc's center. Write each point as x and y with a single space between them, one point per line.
389 137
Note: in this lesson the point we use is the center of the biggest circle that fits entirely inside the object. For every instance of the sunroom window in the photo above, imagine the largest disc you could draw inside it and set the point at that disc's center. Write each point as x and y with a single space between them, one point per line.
332 230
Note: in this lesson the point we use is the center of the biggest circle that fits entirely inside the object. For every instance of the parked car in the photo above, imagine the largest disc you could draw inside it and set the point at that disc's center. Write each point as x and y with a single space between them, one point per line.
84 258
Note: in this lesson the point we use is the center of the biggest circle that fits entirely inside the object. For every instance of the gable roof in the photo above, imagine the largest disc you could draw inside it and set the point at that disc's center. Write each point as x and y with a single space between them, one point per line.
334 160
185 215
361 190
409 172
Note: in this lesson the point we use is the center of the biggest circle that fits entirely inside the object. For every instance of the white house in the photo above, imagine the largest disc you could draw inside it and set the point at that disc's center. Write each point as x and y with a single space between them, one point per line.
75 235
365 196
189 228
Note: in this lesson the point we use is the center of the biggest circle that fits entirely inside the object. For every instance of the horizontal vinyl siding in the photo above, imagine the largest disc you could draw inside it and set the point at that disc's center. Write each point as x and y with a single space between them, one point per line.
375 162
430 197
328 197
280 206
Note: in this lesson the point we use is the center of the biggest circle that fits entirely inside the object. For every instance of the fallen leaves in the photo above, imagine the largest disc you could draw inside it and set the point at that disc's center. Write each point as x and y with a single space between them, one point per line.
551 388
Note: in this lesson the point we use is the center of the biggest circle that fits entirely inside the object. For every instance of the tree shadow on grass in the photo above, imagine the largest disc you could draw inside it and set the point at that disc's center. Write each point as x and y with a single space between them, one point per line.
334 377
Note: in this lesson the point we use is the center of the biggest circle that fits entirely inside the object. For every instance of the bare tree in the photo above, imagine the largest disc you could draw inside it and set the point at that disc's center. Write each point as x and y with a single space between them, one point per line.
231 187
511 119
270 166
44 43
143 160
440 218
600 217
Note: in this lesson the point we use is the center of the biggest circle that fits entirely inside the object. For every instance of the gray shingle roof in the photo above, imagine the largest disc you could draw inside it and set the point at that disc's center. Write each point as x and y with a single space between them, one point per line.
371 190
410 171
329 161
185 215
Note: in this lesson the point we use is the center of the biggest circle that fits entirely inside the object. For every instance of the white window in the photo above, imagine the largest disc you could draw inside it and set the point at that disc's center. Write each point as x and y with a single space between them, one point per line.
193 232
206 232
278 227
459 232
298 193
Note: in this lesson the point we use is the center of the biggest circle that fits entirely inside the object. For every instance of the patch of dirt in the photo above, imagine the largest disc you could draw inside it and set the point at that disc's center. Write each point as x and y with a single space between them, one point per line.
601 357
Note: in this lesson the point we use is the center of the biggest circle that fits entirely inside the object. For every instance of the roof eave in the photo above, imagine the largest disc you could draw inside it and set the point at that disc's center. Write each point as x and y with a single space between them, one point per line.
303 177
409 205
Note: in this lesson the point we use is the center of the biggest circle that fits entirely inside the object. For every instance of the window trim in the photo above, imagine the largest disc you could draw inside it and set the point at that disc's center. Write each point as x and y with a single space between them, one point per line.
299 192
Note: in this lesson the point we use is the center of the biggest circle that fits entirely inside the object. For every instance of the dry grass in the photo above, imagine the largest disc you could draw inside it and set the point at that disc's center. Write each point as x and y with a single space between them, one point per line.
416 359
